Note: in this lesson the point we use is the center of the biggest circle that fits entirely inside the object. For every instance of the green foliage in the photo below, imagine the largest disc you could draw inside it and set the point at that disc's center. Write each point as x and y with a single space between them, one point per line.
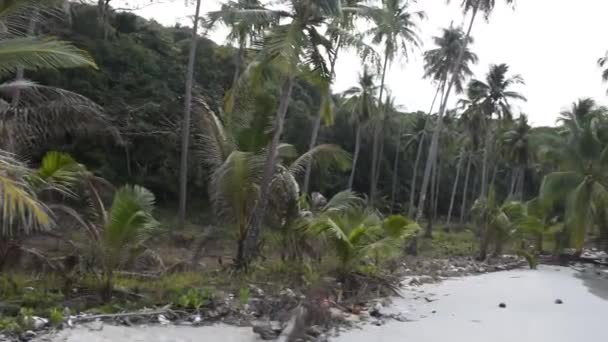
56 317
195 298
357 234
244 295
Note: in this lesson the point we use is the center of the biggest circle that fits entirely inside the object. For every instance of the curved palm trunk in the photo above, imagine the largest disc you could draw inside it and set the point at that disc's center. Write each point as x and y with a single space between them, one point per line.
351 179
183 174
316 127
455 187
250 248
435 137
395 169
410 211
465 189
377 133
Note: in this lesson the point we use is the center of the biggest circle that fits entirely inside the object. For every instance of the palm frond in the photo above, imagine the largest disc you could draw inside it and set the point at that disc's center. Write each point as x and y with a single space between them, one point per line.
22 212
322 156
40 53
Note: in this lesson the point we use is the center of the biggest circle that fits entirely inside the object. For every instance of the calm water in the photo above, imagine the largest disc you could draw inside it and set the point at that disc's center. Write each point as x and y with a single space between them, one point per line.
464 309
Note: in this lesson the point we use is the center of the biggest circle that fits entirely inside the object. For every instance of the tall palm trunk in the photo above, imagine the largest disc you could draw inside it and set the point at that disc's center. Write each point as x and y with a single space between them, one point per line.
521 184
316 127
183 173
437 187
433 149
377 133
238 62
351 179
455 187
410 211
395 168
484 166
259 211
465 189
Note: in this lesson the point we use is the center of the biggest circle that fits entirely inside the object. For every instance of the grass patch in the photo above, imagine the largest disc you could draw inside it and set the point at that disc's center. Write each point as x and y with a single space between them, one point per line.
445 244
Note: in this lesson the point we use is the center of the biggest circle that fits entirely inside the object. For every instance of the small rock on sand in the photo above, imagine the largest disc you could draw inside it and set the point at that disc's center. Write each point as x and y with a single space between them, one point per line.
502 305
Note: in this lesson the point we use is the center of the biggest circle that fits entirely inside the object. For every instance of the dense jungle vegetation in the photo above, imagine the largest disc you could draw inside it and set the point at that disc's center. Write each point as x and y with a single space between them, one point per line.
106 115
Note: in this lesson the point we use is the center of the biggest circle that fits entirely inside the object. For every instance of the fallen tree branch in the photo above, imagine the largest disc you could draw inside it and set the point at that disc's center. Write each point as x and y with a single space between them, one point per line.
164 310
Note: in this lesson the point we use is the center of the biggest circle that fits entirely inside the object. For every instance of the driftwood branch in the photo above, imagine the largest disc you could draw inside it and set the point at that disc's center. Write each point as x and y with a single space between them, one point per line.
163 310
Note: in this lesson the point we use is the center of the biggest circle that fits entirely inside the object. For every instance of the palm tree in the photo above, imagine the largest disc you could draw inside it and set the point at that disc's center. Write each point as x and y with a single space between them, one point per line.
452 47
360 102
287 46
356 233
339 31
237 165
473 6
419 130
243 29
395 27
581 113
438 61
516 141
127 224
493 98
580 183
183 173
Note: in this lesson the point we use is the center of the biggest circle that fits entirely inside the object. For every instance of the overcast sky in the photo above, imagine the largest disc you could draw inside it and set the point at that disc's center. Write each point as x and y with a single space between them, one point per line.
553 44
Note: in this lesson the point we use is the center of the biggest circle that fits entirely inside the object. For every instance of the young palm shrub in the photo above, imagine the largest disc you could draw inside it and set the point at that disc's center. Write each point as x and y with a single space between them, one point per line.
360 237
490 215
123 230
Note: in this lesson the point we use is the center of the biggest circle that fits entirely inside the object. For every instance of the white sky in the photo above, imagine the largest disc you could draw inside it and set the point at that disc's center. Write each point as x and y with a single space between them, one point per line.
553 44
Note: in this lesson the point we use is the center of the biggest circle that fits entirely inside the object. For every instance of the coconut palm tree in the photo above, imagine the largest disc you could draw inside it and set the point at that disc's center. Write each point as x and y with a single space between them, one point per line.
125 227
395 27
493 97
339 31
474 7
244 30
356 233
439 63
516 141
360 102
580 182
183 169
294 45
237 165
581 113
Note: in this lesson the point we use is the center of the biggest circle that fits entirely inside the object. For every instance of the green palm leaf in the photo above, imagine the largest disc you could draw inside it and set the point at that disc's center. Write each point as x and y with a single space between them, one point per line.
38 53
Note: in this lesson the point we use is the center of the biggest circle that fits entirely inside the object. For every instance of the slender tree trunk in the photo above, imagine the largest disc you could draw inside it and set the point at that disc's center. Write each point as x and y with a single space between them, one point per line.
514 175
183 174
395 169
437 187
238 62
485 164
316 127
259 211
455 187
463 205
522 178
410 212
313 142
433 149
377 133
351 179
